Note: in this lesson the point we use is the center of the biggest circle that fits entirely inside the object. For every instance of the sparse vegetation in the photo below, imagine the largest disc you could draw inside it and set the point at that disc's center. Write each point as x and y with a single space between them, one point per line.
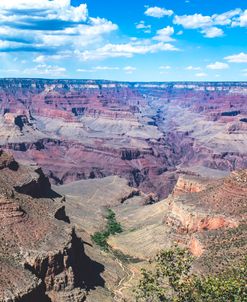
112 227
124 258
172 281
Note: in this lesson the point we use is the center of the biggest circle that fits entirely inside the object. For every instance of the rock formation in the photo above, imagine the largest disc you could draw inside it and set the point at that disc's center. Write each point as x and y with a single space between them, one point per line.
41 257
145 132
210 221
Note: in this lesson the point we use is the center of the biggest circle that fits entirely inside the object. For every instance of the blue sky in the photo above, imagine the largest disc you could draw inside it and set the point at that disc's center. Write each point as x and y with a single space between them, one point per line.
151 40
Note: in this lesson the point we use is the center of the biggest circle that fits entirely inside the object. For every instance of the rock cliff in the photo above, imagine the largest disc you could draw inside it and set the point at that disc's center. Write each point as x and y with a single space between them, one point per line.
145 132
41 257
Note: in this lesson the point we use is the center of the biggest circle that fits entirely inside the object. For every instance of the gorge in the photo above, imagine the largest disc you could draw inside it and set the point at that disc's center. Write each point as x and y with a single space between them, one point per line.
168 158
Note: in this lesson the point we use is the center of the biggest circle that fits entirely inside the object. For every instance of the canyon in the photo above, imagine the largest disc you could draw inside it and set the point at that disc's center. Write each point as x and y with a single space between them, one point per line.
145 132
169 159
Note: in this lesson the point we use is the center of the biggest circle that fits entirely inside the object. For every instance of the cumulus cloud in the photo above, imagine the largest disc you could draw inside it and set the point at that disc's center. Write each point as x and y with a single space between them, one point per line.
158 12
237 58
126 50
193 21
164 34
212 32
141 25
55 9
50 58
209 25
241 20
48 26
45 70
227 17
56 30
218 66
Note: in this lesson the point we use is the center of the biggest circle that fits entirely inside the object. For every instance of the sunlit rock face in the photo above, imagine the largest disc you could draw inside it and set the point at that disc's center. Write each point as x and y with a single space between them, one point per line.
41 256
146 132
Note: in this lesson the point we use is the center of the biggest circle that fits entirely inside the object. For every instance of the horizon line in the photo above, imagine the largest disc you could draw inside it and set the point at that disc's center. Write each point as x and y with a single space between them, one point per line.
117 81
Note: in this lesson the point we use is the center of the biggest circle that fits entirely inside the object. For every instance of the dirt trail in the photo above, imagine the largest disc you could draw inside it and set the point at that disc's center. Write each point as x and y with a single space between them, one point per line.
124 282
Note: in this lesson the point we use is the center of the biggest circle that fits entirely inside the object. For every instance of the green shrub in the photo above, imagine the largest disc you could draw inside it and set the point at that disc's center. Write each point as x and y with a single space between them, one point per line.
172 281
100 238
112 228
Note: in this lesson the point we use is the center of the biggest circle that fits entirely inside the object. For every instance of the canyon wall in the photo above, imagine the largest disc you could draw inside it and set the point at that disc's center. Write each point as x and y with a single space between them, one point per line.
145 132
41 257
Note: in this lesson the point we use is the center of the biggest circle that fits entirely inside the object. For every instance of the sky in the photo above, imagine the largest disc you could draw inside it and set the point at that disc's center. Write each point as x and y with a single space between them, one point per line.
130 40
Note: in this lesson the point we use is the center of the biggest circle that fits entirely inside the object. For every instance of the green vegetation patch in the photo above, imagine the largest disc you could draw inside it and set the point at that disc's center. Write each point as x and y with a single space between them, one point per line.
172 281
112 227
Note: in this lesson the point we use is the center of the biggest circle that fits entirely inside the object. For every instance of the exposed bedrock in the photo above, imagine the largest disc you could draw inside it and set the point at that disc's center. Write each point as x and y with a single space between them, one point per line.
64 162
67 274
189 184
35 185
145 132
208 216
185 220
41 256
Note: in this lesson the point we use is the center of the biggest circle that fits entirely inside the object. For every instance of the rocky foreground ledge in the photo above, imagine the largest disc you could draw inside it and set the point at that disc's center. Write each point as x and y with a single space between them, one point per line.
41 257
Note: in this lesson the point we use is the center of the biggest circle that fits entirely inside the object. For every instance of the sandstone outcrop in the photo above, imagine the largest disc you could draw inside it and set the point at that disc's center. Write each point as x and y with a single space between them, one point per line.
189 184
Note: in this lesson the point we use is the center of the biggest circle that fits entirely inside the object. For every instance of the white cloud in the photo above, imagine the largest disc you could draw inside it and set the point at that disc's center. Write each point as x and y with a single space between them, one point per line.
193 21
218 66
158 12
200 21
106 68
44 69
212 32
49 26
49 58
129 69
127 50
85 70
201 75
144 27
164 34
165 67
55 9
209 24
192 68
40 59
225 18
241 20
237 58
